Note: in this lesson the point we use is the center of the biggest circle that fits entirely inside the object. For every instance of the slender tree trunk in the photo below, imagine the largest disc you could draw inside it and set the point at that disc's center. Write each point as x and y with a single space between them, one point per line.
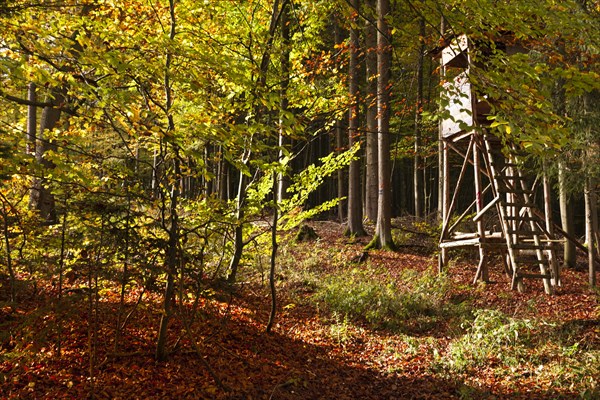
61 270
93 300
171 264
6 207
340 144
31 118
371 182
355 223
258 111
172 256
238 236
161 342
125 271
284 181
383 229
443 196
273 262
589 230
342 178
443 170
549 220
155 173
222 176
566 217
417 161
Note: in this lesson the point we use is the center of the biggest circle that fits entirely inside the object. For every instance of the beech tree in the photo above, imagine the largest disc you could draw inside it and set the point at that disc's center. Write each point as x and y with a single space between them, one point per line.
355 210
371 154
383 229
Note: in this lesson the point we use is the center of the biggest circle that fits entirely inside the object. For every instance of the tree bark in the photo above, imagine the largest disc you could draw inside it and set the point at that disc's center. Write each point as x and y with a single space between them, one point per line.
566 218
417 160
41 198
589 230
6 207
443 196
31 118
443 170
340 144
383 230
172 256
238 241
371 183
238 238
355 223
284 141
273 263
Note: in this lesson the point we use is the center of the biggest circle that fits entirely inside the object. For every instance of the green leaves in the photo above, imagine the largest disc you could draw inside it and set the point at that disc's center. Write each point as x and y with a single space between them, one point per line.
307 182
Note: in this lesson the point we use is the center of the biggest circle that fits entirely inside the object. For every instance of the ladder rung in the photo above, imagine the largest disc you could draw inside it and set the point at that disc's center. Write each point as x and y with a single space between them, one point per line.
531 262
514 191
529 246
548 242
521 232
533 276
523 218
508 178
516 204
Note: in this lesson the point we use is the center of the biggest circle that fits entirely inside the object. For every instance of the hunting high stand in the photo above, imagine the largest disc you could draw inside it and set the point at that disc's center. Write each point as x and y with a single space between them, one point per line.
503 194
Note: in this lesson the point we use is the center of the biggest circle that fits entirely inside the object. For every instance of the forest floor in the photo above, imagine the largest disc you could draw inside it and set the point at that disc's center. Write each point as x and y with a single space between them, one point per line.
345 330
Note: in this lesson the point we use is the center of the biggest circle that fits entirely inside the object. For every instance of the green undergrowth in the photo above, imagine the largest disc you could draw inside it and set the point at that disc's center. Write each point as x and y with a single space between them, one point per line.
432 318
519 347
412 301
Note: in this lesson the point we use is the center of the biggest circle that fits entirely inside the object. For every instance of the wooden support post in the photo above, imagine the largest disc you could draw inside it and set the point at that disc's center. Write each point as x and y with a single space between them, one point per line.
443 258
449 208
482 270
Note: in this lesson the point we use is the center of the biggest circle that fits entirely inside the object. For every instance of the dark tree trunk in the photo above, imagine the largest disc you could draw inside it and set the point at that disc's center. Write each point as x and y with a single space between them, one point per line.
383 230
340 144
371 183
355 223
172 227
238 238
284 141
273 260
31 118
41 198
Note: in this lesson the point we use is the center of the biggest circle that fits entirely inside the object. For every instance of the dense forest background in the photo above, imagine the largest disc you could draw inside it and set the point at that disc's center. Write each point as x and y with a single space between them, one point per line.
159 156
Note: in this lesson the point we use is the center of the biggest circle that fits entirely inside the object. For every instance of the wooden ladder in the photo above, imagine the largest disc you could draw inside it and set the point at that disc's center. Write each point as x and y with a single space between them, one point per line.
528 243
